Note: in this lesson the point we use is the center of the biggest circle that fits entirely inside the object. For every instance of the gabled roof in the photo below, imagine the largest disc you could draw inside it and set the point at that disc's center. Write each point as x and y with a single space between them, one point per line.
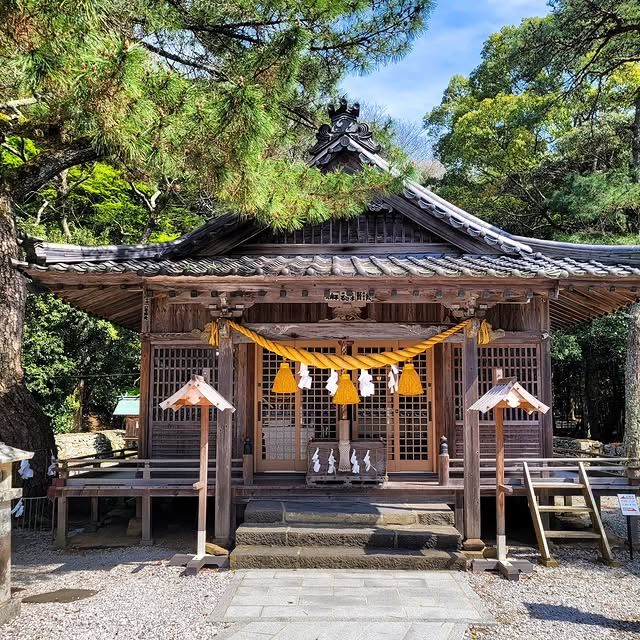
127 406
347 134
464 247
197 392
508 393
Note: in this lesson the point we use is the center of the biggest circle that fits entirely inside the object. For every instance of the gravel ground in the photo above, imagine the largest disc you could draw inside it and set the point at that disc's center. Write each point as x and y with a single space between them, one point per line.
139 596
578 600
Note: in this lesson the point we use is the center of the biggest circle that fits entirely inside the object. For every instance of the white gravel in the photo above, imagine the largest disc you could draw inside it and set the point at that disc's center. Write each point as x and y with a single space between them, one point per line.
139 596
579 600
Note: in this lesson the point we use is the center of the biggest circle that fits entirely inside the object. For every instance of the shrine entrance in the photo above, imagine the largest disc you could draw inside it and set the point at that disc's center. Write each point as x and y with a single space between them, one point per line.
285 423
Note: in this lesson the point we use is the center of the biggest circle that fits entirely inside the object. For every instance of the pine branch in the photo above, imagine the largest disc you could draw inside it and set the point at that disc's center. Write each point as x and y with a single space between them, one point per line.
35 173
187 62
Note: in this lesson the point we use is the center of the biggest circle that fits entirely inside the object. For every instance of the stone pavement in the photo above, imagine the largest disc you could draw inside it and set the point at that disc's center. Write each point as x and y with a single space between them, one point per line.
348 604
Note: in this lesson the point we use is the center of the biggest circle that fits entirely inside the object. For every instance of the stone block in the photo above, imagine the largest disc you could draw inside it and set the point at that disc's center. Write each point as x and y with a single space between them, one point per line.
134 527
264 511
9 609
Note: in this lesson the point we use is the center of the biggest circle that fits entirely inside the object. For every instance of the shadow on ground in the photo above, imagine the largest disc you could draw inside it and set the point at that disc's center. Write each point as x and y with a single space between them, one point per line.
561 613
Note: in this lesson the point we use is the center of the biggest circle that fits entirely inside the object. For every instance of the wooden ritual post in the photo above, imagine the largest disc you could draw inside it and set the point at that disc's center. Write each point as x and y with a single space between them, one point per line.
501 536
506 393
198 393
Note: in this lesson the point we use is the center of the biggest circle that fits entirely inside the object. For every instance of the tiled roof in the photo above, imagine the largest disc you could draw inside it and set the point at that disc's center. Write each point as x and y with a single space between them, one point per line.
446 266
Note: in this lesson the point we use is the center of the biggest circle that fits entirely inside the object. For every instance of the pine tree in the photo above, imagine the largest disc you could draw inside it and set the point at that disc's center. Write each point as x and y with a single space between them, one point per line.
211 94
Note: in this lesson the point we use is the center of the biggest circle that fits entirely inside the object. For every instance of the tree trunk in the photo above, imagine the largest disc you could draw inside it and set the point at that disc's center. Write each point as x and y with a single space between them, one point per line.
635 138
22 422
632 395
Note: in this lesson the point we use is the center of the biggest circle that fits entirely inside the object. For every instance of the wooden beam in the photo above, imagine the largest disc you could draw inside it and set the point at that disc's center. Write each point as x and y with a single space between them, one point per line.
343 330
471 444
300 292
224 436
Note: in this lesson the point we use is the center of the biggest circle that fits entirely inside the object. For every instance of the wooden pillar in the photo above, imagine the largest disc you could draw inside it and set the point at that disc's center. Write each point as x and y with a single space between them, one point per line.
224 439
546 389
147 537
443 392
144 437
145 508
61 528
243 397
472 529
501 534
95 510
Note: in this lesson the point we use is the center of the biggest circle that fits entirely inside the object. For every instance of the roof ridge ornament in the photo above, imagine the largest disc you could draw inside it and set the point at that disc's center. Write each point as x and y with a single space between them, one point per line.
344 122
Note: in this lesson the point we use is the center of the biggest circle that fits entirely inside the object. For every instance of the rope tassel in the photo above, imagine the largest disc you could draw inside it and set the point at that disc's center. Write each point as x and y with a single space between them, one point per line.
409 383
284 382
347 392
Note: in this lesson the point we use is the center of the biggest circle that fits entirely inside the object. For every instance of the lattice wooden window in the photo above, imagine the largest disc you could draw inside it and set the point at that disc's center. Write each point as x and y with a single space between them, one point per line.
521 362
318 415
523 433
374 416
177 434
369 228
286 422
415 418
276 412
404 422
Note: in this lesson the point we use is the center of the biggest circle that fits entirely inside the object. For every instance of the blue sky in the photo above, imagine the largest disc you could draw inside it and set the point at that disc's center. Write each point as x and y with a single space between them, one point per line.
451 44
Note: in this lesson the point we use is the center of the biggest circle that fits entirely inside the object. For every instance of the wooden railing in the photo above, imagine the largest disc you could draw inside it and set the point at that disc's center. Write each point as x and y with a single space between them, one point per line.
119 454
604 466
136 471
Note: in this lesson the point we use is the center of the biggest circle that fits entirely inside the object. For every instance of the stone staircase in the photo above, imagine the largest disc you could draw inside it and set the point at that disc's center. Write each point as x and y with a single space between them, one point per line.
342 534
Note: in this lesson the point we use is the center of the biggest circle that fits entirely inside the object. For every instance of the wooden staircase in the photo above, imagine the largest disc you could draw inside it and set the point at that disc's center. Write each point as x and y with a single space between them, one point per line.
583 487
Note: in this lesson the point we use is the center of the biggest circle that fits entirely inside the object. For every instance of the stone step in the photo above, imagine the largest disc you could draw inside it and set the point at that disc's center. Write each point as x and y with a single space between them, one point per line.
348 512
270 557
414 536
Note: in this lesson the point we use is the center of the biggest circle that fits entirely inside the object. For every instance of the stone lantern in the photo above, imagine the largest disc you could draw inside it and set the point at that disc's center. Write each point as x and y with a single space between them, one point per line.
9 608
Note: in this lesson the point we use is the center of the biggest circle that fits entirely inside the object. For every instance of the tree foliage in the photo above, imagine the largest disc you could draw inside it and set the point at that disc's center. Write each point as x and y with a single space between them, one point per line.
128 122
74 364
543 138
521 150
210 93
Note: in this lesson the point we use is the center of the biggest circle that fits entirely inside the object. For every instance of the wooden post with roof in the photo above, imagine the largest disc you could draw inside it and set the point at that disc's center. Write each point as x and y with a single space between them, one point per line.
506 393
198 393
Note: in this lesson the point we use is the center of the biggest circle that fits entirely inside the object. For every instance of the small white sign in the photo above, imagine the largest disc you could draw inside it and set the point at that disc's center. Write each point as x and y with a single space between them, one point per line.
628 504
